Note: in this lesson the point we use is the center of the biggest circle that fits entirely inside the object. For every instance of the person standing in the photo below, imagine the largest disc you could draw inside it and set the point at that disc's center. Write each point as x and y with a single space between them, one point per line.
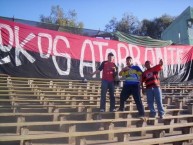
153 92
131 86
109 71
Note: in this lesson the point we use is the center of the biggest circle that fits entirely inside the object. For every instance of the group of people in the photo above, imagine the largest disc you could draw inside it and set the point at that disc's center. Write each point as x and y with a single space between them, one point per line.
134 77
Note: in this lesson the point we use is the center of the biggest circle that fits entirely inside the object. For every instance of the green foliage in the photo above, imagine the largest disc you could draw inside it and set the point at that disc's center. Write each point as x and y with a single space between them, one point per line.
129 24
57 16
155 27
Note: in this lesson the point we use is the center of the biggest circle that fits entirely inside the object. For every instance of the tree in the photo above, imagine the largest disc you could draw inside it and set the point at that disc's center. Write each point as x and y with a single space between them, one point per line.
155 27
128 24
57 16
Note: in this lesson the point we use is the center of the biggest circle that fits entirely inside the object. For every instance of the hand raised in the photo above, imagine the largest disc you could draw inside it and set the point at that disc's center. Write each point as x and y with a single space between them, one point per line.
161 62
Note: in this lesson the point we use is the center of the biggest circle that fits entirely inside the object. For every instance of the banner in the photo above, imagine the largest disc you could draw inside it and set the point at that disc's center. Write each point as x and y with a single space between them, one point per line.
28 51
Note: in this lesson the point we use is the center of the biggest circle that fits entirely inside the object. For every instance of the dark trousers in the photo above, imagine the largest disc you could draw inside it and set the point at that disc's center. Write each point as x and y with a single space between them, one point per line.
131 89
105 86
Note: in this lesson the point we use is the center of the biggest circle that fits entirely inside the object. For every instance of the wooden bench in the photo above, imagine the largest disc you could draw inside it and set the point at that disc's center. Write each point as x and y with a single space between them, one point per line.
175 140
56 114
122 134
44 90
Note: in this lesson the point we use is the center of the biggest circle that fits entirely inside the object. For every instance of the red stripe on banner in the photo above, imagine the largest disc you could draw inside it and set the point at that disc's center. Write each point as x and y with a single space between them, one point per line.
48 42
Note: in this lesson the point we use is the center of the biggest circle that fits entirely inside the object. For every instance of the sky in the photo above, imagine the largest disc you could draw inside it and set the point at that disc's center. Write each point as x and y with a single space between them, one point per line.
95 14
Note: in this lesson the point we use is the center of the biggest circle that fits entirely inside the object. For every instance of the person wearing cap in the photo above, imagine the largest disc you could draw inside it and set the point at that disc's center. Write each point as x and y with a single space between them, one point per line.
132 74
108 75
153 91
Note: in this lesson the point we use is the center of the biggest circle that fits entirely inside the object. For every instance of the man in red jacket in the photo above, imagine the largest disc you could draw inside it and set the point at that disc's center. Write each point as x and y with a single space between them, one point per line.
109 71
151 79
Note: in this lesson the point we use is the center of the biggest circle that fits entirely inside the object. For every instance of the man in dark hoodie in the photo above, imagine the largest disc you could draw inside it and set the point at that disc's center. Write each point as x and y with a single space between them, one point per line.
132 74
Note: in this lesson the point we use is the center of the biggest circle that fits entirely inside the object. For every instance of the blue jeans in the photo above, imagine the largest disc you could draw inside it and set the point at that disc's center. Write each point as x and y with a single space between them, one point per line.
132 89
154 94
105 85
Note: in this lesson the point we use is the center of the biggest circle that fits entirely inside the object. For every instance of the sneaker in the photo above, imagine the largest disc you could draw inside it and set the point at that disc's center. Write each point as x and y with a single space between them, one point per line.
152 116
114 110
121 109
140 116
162 116
102 110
